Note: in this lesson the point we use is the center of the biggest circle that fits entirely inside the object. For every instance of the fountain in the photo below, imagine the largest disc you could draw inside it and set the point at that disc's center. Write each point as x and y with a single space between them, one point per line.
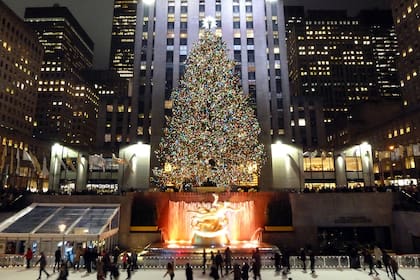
217 223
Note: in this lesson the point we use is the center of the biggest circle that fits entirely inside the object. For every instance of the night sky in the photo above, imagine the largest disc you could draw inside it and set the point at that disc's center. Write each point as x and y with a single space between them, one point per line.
95 16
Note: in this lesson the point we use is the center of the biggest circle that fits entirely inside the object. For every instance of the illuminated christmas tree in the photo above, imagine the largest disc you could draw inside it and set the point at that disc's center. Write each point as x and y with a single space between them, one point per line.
213 133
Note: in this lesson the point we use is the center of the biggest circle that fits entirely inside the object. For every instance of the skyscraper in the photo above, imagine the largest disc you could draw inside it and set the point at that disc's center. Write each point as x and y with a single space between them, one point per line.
344 61
255 36
123 37
20 65
67 107
406 17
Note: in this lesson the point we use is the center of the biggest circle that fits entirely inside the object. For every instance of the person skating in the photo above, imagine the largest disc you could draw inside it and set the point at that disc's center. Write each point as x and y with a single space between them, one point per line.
42 264
170 270
28 256
188 272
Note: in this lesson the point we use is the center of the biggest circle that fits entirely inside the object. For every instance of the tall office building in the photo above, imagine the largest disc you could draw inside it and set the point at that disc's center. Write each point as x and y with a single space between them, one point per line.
20 66
114 109
255 36
407 22
123 36
345 61
67 108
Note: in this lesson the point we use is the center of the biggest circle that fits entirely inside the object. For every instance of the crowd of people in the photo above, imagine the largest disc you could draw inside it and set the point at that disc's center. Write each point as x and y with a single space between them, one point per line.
103 263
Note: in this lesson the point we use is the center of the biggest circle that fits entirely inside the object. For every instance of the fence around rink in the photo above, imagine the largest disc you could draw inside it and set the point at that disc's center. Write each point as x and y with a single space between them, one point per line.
160 262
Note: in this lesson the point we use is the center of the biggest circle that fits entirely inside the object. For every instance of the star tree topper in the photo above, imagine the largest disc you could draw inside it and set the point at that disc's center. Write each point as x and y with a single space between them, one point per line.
209 23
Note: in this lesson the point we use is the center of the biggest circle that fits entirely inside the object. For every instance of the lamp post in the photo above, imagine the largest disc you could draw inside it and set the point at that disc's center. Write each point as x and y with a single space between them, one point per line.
62 228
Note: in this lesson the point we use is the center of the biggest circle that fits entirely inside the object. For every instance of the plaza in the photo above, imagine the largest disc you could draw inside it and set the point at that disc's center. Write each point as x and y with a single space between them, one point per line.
18 273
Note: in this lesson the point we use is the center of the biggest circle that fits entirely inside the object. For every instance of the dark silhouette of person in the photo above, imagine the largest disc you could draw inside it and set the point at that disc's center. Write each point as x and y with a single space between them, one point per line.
28 256
277 261
228 259
369 261
255 268
204 260
303 258
286 261
219 262
188 272
214 273
42 264
256 265
312 260
245 270
386 259
57 259
63 272
212 258
170 270
236 272
394 266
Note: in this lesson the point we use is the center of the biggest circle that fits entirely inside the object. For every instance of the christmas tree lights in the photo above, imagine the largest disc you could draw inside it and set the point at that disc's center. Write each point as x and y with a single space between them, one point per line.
213 132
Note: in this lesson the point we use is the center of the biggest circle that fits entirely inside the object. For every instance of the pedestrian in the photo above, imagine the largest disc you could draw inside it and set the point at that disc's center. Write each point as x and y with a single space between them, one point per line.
303 258
277 261
228 260
188 272
129 266
170 270
377 252
245 270
312 261
212 258
115 254
286 261
100 270
63 272
28 256
57 259
255 268
256 265
394 266
219 262
386 259
204 260
214 273
369 261
236 272
42 264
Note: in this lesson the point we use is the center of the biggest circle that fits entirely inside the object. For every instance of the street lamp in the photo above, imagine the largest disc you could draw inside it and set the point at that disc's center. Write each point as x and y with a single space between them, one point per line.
62 228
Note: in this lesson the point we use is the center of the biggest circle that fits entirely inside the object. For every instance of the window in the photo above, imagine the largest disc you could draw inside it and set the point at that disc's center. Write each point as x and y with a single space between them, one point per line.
250 41
248 9
236 41
236 9
251 56
236 24
353 164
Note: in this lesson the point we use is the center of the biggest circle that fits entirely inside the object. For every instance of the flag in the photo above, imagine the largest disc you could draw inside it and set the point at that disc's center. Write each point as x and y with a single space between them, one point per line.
17 162
26 156
44 173
118 160
416 150
12 168
96 161
70 164
3 158
35 162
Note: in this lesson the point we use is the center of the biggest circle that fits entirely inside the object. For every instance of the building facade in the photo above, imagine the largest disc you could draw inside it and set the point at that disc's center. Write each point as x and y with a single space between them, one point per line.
255 36
347 62
123 37
21 57
67 108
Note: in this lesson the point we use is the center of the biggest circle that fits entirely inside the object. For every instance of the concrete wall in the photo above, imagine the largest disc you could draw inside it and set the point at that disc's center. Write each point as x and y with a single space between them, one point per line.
406 226
309 211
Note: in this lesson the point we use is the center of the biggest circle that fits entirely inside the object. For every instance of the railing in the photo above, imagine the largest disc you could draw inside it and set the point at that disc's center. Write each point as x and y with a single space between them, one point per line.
159 262
321 262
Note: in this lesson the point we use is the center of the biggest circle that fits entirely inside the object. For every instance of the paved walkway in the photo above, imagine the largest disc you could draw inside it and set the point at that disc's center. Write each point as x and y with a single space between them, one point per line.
153 274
